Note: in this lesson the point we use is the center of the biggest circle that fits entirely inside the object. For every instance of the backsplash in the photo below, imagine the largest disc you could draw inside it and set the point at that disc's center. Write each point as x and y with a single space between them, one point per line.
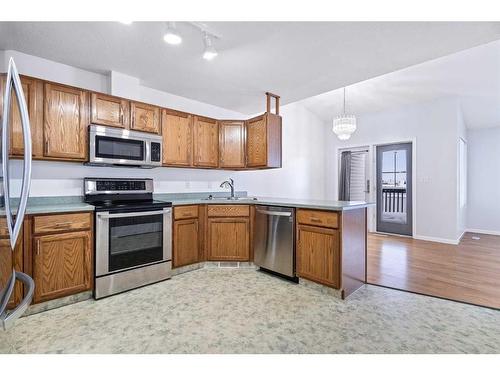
66 179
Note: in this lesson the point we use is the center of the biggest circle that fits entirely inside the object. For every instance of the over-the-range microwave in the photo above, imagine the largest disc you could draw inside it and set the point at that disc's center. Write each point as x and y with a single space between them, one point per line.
121 147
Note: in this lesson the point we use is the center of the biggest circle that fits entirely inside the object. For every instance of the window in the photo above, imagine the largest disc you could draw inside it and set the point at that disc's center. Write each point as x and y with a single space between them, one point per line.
462 172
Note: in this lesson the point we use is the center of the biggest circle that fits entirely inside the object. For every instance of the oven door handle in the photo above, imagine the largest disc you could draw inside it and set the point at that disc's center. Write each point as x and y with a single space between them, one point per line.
132 214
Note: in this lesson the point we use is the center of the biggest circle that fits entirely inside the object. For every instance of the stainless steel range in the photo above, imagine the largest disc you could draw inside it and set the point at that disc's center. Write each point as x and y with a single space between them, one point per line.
133 234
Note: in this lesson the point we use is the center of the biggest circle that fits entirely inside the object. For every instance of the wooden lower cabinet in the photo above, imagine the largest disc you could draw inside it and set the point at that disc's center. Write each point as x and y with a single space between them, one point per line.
10 260
62 264
229 239
318 254
186 242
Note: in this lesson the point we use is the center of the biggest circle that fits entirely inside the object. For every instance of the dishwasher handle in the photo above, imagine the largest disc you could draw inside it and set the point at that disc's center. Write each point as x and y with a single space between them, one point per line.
274 213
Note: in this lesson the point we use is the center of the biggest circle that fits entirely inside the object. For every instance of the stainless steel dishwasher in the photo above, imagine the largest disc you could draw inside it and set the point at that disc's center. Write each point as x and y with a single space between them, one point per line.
274 239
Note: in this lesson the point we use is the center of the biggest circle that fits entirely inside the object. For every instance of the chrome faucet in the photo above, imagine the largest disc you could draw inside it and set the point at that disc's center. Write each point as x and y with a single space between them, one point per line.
229 182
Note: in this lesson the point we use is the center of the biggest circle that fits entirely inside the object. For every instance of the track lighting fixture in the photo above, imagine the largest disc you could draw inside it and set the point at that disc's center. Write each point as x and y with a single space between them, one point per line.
210 52
171 35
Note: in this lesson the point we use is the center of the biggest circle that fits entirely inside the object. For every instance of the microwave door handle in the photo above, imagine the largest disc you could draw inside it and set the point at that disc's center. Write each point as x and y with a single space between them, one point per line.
14 81
29 286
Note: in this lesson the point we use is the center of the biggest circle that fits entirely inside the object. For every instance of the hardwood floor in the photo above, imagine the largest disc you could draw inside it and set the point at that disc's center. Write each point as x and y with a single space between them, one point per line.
468 272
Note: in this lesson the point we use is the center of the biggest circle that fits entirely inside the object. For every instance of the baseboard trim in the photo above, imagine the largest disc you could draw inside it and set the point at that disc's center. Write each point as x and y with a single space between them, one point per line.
438 239
485 231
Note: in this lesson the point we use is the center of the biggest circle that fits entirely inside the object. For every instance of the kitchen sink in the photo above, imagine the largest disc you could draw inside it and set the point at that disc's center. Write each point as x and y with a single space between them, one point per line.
235 199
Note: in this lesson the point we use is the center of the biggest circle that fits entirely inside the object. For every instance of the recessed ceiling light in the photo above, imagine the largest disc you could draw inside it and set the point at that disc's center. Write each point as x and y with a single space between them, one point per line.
171 35
126 22
210 52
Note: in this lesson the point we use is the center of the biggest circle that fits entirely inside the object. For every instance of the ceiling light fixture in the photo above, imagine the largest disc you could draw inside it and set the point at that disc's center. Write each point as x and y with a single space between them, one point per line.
171 35
126 22
210 52
344 125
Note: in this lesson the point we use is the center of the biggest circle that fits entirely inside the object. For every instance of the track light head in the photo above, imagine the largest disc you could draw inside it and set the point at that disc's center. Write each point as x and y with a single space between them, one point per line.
171 34
210 52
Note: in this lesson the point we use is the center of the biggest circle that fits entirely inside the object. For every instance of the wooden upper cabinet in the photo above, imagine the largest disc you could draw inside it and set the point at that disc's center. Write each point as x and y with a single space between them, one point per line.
145 117
65 122
206 142
264 141
232 144
318 254
109 110
33 93
62 264
177 132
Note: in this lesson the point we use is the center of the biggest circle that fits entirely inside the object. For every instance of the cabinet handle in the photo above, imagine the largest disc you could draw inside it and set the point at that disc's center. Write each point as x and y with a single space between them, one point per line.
63 224
121 115
47 146
316 220
38 247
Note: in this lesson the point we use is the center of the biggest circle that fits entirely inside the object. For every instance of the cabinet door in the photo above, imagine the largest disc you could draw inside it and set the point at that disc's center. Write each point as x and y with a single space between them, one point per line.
145 117
228 239
232 144
109 110
10 260
33 93
65 122
206 142
177 131
186 244
318 255
257 142
62 265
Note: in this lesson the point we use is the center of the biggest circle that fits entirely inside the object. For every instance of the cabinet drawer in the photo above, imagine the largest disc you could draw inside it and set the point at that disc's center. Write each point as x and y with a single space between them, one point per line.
185 212
318 218
60 223
225 210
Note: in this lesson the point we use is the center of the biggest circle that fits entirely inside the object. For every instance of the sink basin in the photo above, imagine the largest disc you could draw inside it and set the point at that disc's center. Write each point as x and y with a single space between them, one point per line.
210 198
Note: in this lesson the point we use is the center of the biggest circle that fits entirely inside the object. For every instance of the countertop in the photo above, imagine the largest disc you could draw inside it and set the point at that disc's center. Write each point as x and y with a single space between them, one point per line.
43 205
46 205
286 202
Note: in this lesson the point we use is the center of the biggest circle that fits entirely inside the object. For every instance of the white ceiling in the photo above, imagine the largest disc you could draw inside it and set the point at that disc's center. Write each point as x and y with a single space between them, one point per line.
472 76
292 59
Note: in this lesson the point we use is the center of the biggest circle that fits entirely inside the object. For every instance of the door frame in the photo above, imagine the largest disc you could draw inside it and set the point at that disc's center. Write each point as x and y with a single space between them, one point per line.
372 155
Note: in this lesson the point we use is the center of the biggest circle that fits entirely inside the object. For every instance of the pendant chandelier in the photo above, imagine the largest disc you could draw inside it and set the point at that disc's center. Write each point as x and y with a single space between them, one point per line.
344 125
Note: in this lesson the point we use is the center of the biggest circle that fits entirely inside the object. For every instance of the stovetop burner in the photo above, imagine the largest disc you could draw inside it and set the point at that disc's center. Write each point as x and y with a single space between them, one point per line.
130 205
114 194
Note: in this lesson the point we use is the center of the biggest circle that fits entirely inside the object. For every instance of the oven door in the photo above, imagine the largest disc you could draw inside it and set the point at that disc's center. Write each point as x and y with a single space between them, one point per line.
132 239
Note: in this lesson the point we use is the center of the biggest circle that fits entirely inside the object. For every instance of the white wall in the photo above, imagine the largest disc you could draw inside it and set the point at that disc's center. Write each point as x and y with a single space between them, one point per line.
462 211
483 214
303 171
433 126
53 71
302 174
